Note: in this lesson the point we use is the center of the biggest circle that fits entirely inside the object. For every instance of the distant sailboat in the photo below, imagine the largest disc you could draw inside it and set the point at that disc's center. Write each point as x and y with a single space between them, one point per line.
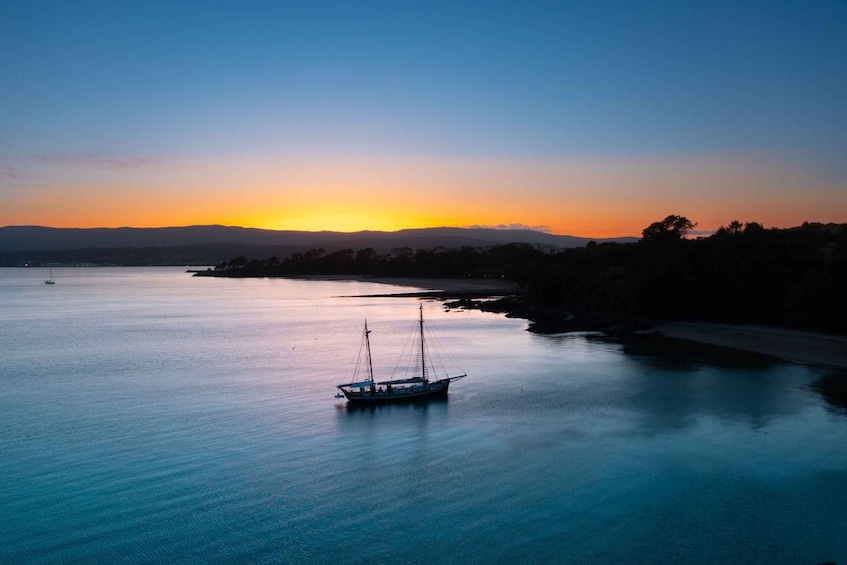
50 280
420 387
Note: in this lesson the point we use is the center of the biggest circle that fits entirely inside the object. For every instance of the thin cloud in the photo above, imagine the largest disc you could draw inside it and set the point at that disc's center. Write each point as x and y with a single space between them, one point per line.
545 229
96 161
8 173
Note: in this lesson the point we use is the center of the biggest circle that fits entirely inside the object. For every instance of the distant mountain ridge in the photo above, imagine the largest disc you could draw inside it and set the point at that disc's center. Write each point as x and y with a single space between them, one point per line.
16 239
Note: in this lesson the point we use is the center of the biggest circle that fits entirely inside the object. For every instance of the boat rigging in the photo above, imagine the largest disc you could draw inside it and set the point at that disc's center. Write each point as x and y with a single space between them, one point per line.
424 387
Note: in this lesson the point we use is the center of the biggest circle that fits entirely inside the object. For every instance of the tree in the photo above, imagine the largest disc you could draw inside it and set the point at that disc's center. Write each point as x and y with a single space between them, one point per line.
753 228
672 228
238 263
312 255
734 228
366 256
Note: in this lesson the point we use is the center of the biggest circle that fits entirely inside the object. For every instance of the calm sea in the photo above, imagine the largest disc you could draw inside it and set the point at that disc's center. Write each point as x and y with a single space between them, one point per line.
147 416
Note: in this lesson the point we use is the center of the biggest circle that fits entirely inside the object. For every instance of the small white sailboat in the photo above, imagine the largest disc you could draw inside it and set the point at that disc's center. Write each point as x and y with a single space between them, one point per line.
50 280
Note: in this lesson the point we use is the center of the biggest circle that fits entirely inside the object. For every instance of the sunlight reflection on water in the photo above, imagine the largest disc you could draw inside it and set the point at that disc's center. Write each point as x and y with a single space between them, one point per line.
149 416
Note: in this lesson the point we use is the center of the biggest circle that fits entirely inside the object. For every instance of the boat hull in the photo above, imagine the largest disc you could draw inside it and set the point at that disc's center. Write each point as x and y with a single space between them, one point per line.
432 391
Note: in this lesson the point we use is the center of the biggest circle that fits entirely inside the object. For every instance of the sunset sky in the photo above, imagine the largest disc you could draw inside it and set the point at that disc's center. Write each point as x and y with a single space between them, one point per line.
582 118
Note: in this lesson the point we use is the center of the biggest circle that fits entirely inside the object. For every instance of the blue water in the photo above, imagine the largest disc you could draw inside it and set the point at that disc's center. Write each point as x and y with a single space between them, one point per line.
148 416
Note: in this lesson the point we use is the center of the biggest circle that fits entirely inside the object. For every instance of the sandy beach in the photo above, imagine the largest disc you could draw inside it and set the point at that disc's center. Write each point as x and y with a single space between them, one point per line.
793 345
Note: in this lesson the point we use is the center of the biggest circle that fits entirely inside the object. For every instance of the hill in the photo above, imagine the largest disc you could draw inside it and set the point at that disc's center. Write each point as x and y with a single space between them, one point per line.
211 244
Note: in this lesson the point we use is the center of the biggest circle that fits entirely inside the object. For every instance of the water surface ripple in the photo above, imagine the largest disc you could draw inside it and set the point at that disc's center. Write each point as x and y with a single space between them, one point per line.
148 416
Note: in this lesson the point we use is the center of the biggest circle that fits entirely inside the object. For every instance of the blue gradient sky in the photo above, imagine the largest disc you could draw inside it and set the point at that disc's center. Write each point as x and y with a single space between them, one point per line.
600 116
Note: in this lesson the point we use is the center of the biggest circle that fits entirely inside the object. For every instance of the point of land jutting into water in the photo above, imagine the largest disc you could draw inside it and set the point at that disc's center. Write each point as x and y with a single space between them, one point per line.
762 279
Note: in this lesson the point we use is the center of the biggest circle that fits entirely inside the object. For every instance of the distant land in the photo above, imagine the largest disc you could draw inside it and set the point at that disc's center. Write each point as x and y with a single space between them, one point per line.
209 245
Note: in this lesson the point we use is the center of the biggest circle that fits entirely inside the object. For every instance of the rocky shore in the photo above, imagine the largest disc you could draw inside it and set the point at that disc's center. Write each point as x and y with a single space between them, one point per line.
793 345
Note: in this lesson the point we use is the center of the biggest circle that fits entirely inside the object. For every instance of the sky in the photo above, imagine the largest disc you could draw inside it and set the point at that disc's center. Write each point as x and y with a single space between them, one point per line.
587 118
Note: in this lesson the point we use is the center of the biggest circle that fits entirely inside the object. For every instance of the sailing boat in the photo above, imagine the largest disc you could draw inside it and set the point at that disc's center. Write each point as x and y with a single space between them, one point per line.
50 280
422 387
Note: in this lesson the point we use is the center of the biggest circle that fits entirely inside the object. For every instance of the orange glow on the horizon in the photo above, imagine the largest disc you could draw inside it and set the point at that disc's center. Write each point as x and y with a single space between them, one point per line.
599 197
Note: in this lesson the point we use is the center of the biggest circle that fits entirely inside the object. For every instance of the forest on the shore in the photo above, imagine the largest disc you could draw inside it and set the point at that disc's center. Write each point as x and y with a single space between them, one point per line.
743 273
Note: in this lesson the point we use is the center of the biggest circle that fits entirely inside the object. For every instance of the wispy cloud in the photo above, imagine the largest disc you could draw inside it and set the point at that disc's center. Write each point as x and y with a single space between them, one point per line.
8 173
545 229
96 161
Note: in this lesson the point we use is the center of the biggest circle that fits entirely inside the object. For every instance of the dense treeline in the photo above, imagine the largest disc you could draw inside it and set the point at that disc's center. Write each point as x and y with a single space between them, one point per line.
744 273
741 274
511 262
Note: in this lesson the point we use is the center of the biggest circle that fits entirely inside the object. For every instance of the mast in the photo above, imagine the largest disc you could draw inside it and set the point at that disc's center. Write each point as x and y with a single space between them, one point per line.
423 350
368 344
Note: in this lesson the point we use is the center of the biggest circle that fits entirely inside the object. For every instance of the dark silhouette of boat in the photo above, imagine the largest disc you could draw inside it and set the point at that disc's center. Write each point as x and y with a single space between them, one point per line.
419 388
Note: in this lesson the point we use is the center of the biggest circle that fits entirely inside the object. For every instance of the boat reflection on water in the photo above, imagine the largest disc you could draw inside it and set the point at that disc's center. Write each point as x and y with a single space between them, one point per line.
393 407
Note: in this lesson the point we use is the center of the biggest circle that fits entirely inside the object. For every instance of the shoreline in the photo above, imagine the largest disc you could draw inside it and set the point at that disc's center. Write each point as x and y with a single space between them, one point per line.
449 285
431 285
792 345
797 346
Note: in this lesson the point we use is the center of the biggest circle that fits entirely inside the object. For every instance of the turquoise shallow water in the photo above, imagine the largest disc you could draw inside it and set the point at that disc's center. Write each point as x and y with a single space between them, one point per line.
148 416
